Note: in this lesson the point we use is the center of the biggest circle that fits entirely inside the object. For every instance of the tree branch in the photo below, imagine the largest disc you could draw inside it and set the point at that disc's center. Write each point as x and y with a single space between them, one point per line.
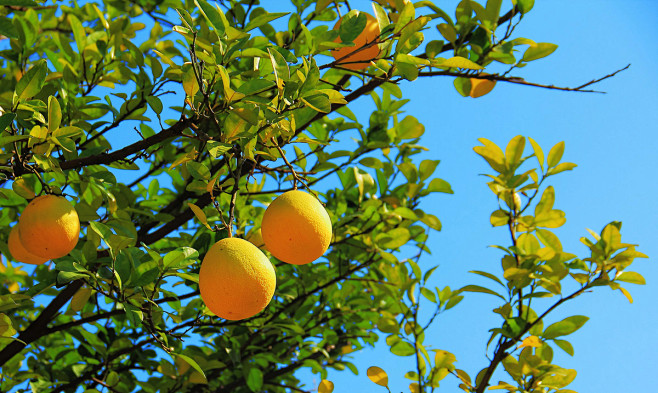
108 158
521 81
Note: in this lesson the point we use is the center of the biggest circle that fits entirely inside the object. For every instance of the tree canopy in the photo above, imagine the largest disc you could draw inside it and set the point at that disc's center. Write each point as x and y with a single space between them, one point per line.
172 124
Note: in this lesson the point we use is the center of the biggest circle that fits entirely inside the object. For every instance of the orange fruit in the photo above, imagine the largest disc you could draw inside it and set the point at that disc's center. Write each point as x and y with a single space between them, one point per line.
360 59
18 251
296 228
480 87
49 227
236 280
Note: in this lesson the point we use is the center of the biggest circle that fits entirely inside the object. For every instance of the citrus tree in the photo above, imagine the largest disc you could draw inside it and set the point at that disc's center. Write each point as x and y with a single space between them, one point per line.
172 125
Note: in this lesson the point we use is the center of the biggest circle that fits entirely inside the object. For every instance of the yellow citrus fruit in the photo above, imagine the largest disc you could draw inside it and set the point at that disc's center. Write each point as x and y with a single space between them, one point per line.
296 228
49 227
360 59
255 237
236 279
480 87
18 251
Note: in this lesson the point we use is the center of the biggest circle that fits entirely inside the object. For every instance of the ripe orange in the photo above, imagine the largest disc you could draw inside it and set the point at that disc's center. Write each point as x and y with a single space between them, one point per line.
296 228
360 59
18 251
49 227
480 87
236 279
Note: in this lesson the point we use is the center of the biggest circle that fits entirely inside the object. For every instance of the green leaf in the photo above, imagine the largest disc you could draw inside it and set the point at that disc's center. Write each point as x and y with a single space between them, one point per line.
214 16
611 237
492 154
514 151
487 275
318 102
546 202
54 114
7 28
539 51
23 188
198 212
561 167
631 277
429 295
101 229
78 33
180 257
5 121
555 155
477 288
263 19
254 378
499 218
439 185
32 82
549 239
565 346
539 153
409 128
393 239
565 327
458 62
6 327
145 274
523 6
427 168
217 149
402 348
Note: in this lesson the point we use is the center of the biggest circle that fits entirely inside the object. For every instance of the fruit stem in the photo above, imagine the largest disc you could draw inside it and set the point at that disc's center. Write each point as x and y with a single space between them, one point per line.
296 178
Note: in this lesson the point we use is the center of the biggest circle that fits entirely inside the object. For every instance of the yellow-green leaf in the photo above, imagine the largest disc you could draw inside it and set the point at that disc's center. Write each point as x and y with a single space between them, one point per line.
6 327
80 298
54 114
460 62
627 294
22 188
539 153
378 376
190 84
325 386
199 214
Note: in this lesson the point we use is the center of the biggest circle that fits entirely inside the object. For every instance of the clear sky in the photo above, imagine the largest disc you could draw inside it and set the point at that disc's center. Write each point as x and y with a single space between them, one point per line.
612 139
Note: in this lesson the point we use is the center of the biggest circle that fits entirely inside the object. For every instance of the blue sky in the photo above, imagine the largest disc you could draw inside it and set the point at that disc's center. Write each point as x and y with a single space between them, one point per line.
612 139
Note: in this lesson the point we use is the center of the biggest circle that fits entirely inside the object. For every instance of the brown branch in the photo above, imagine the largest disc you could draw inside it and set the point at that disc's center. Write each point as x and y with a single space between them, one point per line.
108 158
521 81
501 351
38 327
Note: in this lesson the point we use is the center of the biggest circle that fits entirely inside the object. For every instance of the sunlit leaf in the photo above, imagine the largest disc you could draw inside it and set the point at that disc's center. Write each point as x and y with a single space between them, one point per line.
377 375
325 386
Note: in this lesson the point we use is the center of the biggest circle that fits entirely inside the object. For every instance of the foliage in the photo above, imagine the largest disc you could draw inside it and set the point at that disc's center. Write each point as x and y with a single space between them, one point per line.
171 124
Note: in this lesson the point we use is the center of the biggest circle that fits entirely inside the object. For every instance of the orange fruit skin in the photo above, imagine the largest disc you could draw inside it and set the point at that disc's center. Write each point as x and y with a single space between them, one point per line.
49 227
361 59
236 279
480 87
18 251
296 228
